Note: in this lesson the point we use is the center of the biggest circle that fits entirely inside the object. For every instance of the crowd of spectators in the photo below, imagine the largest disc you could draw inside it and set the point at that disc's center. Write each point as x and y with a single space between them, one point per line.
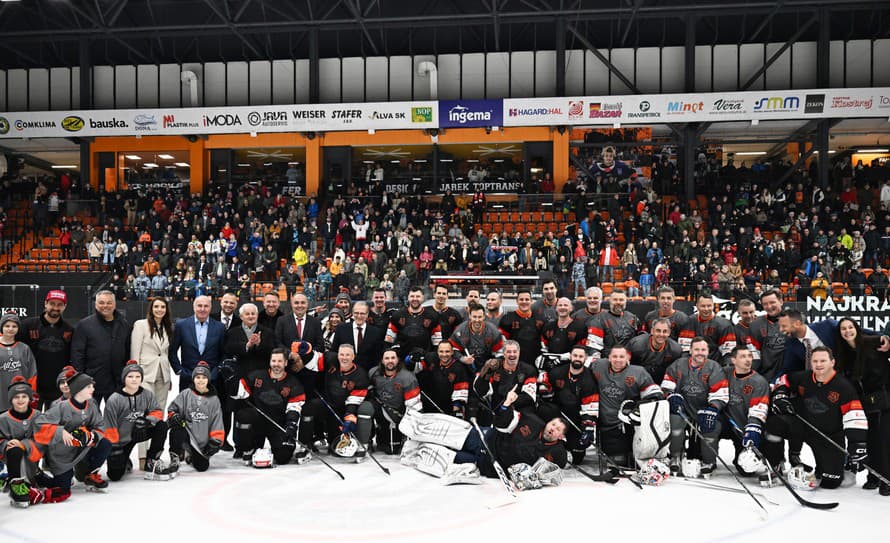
753 228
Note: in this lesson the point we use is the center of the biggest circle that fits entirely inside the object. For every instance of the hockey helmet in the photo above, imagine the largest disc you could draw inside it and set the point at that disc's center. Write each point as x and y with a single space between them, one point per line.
263 458
346 447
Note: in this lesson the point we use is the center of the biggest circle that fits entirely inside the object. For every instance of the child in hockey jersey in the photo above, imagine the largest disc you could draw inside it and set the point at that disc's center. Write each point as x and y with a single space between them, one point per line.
132 415
15 357
62 382
17 448
71 436
195 421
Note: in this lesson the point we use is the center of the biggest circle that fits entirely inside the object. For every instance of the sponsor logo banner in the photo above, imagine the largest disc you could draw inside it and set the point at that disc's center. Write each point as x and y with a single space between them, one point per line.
470 113
776 104
814 103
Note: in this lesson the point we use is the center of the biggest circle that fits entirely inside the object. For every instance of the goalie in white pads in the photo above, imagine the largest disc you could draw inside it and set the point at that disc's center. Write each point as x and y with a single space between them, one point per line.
445 446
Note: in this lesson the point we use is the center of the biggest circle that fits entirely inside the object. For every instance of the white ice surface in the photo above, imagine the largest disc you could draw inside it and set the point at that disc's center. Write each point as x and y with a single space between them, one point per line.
309 503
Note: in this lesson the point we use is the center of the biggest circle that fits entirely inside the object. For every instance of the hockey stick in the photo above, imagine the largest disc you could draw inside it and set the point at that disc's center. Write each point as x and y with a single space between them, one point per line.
351 435
713 486
603 476
502 475
704 442
841 449
776 473
427 396
268 418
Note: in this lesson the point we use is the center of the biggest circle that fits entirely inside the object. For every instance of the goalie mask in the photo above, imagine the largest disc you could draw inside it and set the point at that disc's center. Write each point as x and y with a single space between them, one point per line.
654 472
749 463
346 447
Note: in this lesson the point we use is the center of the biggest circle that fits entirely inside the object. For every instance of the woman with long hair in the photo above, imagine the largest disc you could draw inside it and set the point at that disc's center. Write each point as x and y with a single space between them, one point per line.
150 346
859 359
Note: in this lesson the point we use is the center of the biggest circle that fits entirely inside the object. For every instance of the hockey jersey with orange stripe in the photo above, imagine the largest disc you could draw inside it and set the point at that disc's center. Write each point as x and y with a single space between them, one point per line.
202 413
719 332
16 359
20 426
399 392
66 416
832 406
748 398
123 409
701 386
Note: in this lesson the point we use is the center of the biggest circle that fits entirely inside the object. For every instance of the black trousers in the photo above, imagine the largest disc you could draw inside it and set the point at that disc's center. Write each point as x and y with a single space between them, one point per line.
829 460
252 430
179 440
879 443
117 460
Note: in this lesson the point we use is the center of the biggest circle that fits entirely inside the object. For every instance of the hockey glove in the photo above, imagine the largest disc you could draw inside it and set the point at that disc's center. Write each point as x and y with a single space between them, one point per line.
212 447
677 403
35 401
290 433
751 438
348 426
782 402
457 409
84 437
858 454
176 421
707 419
143 423
588 435
228 369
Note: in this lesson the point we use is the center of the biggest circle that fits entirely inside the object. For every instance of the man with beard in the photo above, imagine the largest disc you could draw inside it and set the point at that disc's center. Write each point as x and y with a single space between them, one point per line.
522 326
476 340
594 300
570 390
656 350
562 335
497 378
718 331
696 384
747 314
620 386
49 337
493 311
394 391
677 319
612 327
414 328
545 308
765 336
471 298
445 381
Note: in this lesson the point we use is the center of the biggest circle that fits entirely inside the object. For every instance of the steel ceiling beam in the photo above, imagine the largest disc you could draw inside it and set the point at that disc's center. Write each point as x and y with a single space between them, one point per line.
602 58
791 41
233 28
448 20
359 20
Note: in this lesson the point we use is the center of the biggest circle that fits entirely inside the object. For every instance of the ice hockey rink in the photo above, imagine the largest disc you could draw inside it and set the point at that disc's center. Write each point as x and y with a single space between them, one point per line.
309 503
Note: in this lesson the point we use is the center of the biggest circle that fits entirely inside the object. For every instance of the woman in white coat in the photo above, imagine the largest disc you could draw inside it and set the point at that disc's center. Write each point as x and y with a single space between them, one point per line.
149 345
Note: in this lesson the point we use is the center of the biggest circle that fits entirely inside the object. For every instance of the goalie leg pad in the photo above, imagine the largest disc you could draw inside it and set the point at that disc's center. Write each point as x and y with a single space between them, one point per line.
429 458
457 474
435 428
652 437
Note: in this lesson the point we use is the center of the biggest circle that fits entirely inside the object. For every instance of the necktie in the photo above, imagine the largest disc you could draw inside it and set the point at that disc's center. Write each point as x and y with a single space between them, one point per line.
227 320
808 348
358 342
299 328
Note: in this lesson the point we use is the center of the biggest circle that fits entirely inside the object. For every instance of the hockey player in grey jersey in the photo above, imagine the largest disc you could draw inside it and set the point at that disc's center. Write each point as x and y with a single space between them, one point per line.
132 415
195 420
619 382
696 385
393 391
71 434
17 447
747 407
656 350
16 357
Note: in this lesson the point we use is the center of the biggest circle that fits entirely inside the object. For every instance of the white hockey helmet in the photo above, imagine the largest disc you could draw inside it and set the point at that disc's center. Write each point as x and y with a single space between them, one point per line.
263 458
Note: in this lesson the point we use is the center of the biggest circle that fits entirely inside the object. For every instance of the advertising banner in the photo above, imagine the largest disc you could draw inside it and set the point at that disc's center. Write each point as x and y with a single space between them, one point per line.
700 107
470 113
223 120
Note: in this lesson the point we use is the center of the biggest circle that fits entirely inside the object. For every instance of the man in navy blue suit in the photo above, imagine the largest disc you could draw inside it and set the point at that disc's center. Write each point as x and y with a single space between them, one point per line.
803 338
200 338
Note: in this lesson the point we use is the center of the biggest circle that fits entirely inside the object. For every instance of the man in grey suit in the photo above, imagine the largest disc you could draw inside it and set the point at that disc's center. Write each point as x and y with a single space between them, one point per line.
197 338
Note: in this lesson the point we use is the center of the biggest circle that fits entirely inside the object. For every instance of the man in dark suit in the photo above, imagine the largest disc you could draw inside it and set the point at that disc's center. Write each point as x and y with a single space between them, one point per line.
298 326
200 338
803 338
367 340
250 344
228 314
